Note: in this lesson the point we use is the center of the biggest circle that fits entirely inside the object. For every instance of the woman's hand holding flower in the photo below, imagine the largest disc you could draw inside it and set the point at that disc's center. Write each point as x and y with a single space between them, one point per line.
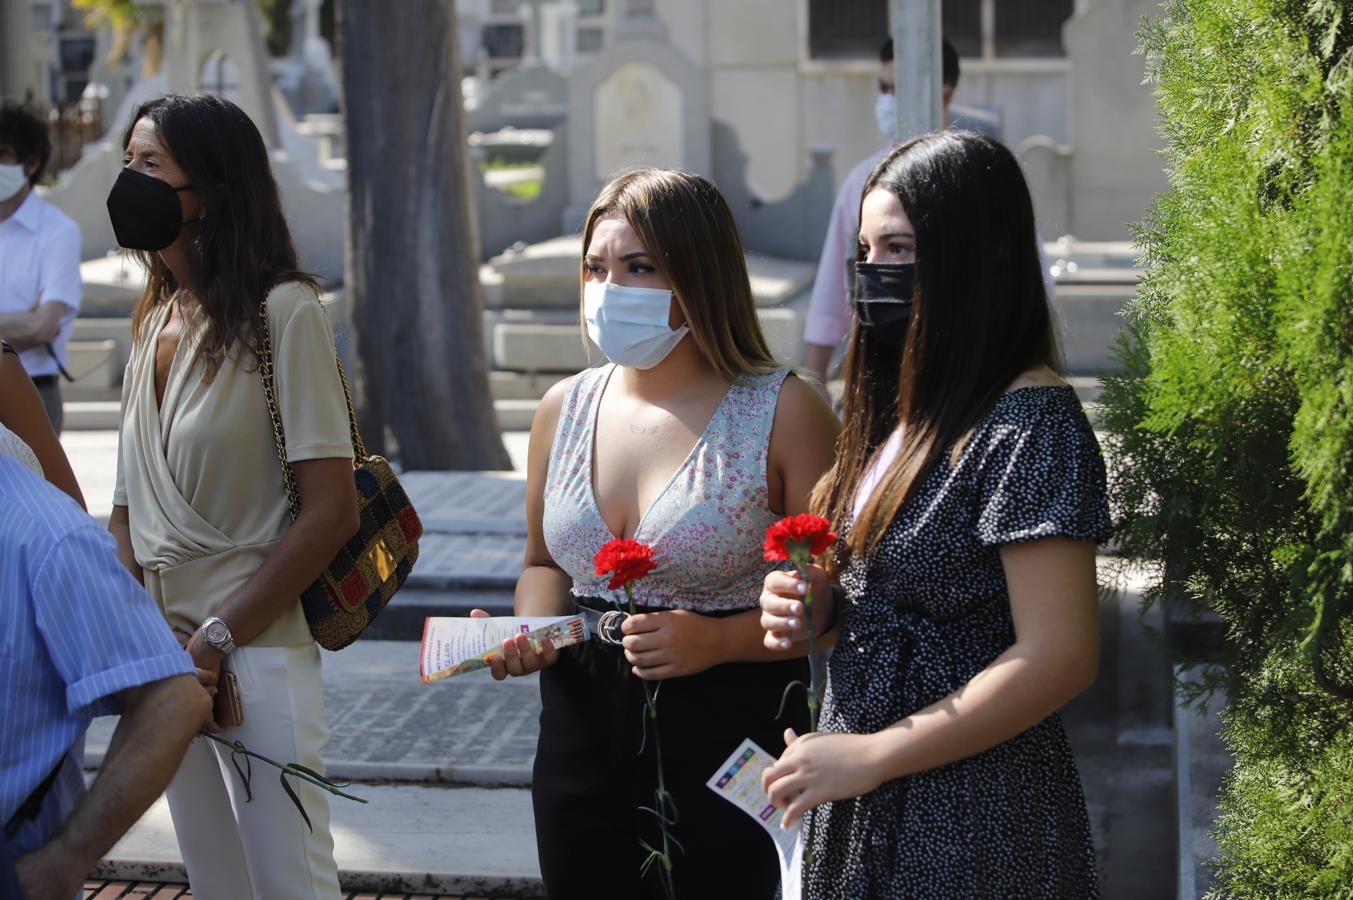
670 644
782 612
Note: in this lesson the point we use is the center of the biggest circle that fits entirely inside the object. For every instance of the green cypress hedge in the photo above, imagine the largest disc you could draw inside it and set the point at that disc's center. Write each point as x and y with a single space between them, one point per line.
1230 429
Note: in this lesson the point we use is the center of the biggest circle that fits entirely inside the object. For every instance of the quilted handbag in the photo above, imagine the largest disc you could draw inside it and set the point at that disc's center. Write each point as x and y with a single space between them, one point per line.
375 561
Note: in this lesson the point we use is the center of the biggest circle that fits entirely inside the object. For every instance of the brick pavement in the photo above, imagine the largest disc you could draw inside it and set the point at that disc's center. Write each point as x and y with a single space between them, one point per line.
162 890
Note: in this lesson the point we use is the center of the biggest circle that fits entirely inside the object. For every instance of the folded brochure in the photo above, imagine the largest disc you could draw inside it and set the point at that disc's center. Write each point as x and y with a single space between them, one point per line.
739 782
455 645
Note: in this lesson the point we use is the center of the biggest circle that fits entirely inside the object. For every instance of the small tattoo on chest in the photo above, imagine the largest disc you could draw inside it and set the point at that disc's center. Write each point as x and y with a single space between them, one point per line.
640 429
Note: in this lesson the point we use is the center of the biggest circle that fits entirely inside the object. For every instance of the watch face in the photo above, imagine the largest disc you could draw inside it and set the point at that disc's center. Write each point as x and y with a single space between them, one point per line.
215 633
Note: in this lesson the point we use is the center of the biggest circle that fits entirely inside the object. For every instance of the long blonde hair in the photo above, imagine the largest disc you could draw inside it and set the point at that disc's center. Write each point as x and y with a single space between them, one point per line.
688 230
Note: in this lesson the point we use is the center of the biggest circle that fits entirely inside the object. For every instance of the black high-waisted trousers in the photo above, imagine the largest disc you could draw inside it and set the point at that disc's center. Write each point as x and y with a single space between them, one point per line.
591 776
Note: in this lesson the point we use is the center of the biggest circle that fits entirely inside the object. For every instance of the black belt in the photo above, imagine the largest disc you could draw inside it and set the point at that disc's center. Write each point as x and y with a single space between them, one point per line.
603 624
603 618
44 380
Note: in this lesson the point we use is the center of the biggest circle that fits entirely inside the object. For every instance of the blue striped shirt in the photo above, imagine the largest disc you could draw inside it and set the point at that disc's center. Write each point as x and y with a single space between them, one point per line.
75 629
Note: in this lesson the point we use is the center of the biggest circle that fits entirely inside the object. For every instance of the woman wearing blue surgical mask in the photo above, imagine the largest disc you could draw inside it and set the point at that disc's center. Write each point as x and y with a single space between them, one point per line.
969 495
693 440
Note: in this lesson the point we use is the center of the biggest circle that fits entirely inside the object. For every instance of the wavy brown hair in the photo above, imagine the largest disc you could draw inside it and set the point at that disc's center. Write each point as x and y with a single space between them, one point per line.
980 318
243 247
688 230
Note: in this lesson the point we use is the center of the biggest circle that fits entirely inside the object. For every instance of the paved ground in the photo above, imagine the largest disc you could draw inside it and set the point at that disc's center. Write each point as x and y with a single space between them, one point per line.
163 890
407 839
388 726
445 765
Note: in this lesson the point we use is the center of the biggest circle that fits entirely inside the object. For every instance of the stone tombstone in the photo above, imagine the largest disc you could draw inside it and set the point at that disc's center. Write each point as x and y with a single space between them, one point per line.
530 96
637 119
505 221
1047 168
792 227
195 29
640 102
1116 168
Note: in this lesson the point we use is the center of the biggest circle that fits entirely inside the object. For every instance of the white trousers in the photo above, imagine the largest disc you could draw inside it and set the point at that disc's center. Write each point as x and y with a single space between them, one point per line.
260 849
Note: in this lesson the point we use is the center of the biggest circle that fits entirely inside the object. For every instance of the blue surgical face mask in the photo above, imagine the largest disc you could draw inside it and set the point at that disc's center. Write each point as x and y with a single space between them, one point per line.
629 324
885 113
12 180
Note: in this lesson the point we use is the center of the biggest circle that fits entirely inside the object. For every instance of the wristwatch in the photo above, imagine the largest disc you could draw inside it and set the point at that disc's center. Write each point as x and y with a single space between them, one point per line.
217 634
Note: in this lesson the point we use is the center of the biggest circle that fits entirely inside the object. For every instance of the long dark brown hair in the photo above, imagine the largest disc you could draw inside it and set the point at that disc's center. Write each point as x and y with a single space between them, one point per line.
980 318
242 248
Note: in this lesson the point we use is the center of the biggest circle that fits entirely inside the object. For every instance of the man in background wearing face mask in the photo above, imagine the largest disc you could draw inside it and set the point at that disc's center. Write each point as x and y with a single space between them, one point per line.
829 313
40 285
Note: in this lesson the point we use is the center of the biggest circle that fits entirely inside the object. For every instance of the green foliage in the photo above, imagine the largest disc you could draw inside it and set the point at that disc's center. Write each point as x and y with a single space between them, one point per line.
276 15
119 14
1231 425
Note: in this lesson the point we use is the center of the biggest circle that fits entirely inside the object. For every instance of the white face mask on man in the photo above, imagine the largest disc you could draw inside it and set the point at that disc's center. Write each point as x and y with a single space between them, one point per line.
885 113
629 324
12 180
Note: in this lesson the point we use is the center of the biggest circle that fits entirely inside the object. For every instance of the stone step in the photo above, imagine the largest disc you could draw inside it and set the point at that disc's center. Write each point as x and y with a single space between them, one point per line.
402 619
92 415
407 839
387 726
96 365
1090 318
98 410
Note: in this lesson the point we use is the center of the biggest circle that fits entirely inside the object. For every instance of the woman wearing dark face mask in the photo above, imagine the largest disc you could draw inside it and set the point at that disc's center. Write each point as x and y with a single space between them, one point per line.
693 440
200 508
969 493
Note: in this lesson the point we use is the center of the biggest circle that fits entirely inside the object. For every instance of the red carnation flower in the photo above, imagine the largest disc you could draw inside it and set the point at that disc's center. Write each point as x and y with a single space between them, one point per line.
624 560
804 530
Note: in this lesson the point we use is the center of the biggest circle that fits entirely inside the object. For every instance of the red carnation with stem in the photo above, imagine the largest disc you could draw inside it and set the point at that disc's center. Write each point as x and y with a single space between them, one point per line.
626 561
798 539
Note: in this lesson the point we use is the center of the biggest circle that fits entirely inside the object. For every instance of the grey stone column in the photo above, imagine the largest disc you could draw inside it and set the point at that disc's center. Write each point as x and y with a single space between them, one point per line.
17 72
915 27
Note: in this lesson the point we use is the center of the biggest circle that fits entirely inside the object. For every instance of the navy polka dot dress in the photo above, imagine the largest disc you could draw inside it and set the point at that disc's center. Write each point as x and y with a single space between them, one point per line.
925 612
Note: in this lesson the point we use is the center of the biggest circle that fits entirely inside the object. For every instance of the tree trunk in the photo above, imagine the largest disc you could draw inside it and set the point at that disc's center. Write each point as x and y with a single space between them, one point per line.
412 244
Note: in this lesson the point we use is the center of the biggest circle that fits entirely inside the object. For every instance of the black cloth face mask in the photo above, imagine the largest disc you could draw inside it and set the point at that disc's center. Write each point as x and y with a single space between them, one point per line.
144 211
882 296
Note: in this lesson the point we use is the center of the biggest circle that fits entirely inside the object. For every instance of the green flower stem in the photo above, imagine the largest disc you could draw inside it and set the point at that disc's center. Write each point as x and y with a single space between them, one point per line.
799 555
294 769
661 798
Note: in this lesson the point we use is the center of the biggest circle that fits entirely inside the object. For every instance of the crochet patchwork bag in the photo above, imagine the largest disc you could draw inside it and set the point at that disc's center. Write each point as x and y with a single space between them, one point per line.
375 561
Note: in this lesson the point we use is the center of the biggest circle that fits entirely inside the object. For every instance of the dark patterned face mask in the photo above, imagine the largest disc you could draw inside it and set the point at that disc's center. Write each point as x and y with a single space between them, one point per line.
144 211
881 295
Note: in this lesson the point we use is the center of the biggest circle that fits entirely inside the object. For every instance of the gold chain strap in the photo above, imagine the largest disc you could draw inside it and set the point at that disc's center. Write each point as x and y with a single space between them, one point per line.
265 372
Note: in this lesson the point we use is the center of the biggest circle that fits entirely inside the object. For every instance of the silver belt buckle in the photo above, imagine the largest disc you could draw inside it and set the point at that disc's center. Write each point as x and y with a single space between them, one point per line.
608 627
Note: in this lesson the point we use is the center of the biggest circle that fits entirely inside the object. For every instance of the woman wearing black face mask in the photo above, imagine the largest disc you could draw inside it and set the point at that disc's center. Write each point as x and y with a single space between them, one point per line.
200 509
969 494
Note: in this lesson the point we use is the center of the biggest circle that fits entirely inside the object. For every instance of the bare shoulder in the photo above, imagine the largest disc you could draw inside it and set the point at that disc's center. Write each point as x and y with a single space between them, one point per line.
552 403
802 414
1039 377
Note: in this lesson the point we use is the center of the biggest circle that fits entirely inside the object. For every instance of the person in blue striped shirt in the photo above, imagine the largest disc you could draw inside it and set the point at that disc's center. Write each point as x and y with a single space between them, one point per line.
79 638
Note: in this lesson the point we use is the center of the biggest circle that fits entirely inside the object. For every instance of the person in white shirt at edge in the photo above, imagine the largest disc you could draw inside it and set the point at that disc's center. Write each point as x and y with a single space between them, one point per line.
829 315
40 285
